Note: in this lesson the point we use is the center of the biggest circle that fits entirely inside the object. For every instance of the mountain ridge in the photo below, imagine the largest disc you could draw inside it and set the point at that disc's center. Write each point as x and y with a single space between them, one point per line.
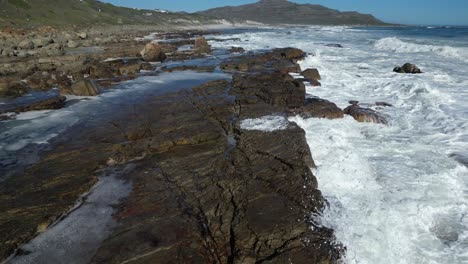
285 12
26 13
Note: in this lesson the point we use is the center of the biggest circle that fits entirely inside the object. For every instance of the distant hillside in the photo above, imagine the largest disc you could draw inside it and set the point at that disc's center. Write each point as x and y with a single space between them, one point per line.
284 12
30 13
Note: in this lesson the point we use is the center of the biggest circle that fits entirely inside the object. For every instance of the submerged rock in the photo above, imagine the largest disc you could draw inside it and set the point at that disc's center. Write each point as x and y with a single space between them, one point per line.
153 53
407 68
362 114
334 45
55 102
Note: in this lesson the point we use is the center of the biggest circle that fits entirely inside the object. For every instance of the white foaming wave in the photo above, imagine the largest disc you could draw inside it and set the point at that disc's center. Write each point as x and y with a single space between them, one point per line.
399 46
266 123
382 205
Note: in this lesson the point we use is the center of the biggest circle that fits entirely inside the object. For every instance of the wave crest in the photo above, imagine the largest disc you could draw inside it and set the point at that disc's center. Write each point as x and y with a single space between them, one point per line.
396 45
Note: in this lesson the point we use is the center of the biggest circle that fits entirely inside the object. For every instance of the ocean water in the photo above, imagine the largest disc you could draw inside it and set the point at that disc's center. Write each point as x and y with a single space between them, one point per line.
397 193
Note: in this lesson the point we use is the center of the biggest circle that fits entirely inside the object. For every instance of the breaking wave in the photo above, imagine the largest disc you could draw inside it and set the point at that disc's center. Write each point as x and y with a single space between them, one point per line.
397 45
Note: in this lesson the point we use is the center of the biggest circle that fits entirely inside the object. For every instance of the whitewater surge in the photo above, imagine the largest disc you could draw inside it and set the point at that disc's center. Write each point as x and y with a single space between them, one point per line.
397 45
398 193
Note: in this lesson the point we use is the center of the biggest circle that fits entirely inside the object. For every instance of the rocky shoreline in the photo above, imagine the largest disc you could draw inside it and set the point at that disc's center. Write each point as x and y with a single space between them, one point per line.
205 188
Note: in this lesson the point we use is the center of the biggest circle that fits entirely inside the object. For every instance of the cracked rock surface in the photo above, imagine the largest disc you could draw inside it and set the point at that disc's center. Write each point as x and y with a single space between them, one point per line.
204 190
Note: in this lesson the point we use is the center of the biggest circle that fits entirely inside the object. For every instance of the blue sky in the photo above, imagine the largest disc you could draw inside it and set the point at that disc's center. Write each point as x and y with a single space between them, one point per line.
427 12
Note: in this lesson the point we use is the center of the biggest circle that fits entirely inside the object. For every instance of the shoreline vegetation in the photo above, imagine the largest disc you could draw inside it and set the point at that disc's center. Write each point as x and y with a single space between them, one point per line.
194 180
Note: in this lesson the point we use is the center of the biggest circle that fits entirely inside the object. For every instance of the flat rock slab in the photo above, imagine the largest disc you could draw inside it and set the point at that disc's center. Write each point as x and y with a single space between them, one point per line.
204 190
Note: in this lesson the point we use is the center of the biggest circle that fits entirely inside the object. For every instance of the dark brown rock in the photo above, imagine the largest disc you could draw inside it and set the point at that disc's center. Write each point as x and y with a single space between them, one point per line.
153 53
362 114
283 60
407 68
311 74
236 50
385 104
277 89
319 108
55 102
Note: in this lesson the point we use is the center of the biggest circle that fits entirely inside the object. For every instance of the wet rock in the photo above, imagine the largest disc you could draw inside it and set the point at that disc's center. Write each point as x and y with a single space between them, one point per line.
293 54
311 74
55 102
153 53
236 50
277 89
319 108
209 68
334 45
362 114
84 88
283 60
407 68
385 104
202 46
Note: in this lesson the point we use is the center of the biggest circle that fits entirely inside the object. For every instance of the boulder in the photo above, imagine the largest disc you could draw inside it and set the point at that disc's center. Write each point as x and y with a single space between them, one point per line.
26 44
362 114
202 46
85 88
82 35
153 53
319 108
407 68
311 74
293 54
